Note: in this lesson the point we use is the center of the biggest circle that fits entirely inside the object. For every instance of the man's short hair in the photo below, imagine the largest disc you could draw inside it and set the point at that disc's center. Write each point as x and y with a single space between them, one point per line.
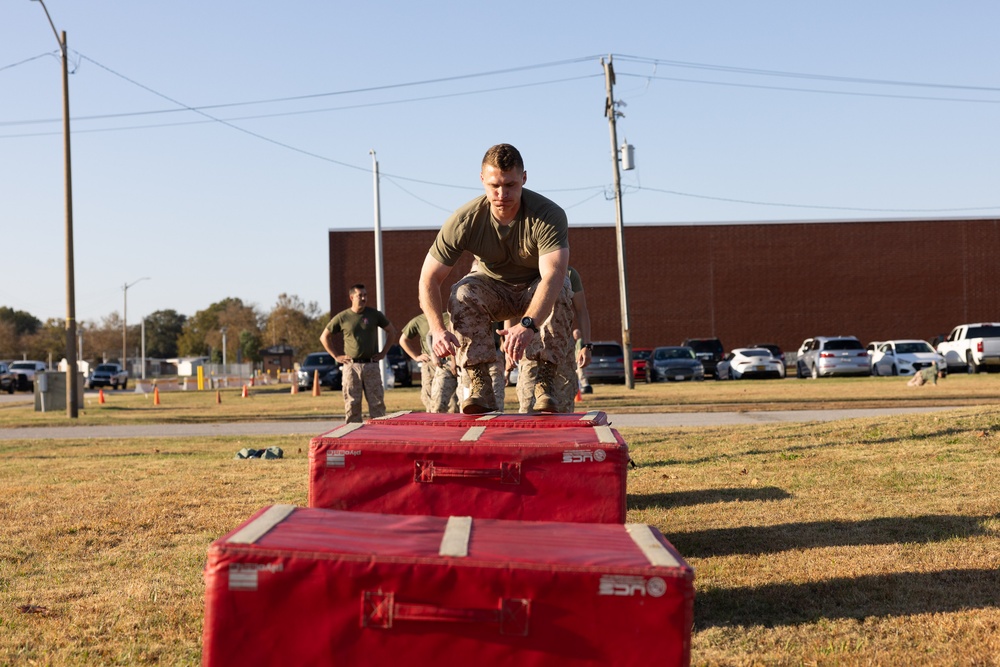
504 157
356 288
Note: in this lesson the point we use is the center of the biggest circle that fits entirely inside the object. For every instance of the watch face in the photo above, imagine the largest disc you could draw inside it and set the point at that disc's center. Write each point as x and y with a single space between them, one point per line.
528 323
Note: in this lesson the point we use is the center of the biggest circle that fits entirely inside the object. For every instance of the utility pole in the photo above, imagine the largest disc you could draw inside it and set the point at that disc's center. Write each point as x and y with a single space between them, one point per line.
613 114
72 390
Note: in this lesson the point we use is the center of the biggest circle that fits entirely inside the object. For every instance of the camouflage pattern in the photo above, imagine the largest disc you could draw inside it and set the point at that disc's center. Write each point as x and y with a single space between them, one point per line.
427 373
477 300
564 386
444 395
498 374
362 379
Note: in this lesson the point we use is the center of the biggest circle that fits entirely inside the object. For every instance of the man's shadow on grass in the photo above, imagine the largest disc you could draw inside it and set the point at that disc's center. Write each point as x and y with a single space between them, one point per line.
705 497
884 595
761 540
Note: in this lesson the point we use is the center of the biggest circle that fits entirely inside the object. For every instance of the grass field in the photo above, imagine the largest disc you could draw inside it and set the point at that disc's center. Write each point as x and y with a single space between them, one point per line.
857 542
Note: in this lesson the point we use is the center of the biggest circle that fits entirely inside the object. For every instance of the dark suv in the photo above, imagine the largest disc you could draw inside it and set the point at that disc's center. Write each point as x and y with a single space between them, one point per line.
709 352
399 362
330 374
8 382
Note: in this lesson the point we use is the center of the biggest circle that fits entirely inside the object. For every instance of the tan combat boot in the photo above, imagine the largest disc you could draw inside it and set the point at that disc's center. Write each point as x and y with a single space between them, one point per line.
480 397
544 384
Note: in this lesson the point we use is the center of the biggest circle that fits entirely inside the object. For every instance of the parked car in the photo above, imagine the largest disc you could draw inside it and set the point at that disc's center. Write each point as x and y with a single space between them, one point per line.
330 374
640 362
832 355
750 362
776 352
108 375
24 372
708 350
905 357
972 347
8 382
399 362
675 363
607 363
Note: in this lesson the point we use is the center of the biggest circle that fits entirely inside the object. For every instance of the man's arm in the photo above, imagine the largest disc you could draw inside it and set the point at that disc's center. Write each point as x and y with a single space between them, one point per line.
583 324
411 346
552 267
390 340
432 276
326 338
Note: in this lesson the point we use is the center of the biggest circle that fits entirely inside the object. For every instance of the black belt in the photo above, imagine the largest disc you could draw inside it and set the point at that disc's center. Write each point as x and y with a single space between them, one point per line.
361 360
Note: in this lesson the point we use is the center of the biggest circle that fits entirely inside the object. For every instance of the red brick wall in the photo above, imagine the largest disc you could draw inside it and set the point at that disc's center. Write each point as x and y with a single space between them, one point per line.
748 283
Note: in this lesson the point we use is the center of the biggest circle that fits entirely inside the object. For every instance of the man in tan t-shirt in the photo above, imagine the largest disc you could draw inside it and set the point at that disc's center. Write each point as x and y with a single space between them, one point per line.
521 242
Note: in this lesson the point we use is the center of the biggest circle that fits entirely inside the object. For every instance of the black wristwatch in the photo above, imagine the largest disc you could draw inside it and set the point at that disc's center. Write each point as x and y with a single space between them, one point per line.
529 323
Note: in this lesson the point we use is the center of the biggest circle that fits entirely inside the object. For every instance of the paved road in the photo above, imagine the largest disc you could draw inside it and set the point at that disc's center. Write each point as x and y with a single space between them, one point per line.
311 428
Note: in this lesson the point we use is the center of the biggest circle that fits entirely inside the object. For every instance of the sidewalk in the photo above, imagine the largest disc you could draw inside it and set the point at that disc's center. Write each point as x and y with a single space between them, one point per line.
312 428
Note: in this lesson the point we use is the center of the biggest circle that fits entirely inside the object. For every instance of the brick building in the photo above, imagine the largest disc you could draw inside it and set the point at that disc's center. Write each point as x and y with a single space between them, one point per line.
745 283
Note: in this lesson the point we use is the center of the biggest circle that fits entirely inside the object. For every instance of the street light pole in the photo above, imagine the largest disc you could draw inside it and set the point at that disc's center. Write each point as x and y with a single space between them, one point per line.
125 320
379 281
72 390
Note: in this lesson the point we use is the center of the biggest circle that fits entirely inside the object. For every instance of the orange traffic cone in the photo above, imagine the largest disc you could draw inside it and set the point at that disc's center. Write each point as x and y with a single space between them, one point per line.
100 396
295 386
218 396
246 392
315 383
579 396
156 395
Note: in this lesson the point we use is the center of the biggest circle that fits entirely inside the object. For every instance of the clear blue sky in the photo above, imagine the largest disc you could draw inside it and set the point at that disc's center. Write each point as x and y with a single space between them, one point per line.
216 143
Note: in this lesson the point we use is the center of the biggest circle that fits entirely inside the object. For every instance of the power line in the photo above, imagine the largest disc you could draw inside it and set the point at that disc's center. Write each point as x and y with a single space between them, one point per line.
393 178
813 206
803 75
805 90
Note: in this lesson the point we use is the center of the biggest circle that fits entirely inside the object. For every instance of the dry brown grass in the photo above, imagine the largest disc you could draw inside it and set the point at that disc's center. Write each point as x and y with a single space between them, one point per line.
275 402
855 542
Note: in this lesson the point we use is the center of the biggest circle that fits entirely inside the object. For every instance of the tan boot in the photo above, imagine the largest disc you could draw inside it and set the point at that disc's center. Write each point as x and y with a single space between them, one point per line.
544 384
480 396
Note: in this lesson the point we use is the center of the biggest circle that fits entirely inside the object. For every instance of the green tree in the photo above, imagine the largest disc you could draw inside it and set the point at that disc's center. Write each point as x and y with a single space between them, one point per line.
202 333
297 324
24 323
163 329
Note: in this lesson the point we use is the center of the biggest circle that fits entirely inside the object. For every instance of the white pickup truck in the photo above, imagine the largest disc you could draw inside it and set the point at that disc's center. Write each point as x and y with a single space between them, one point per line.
972 346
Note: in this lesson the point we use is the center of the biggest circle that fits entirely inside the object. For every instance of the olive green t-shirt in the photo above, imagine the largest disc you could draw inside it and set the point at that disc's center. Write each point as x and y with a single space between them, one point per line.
509 254
420 327
360 331
575 281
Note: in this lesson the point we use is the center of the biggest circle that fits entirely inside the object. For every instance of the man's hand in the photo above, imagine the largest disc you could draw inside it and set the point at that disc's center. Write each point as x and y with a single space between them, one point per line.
583 357
445 343
516 340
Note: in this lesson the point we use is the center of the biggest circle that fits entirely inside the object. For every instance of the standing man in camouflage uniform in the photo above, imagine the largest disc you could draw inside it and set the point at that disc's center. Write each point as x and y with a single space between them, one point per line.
578 358
521 241
361 355
413 340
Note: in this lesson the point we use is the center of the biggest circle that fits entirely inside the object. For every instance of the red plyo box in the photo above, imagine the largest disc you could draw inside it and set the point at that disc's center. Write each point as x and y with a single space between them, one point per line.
309 586
518 473
493 419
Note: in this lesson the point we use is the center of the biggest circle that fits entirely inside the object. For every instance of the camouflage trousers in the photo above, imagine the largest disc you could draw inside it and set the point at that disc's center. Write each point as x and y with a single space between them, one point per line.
564 387
477 301
362 380
498 372
427 373
444 386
